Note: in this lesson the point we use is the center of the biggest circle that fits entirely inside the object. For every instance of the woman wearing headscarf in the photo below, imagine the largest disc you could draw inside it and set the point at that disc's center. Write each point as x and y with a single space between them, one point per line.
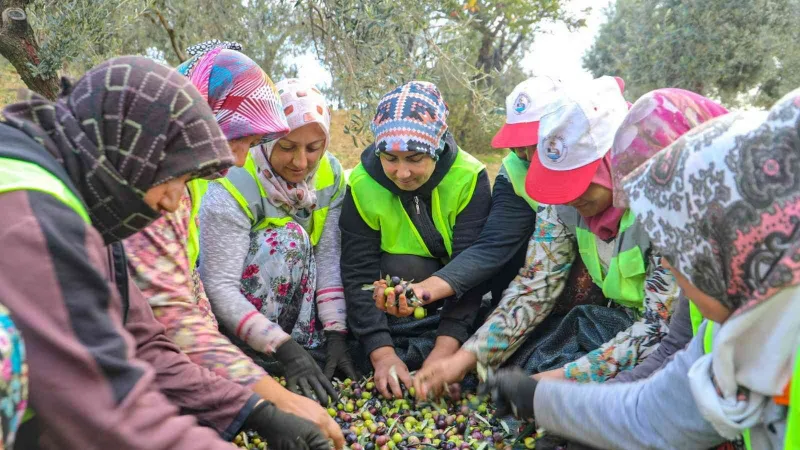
162 257
79 175
654 122
270 249
415 202
722 205
570 176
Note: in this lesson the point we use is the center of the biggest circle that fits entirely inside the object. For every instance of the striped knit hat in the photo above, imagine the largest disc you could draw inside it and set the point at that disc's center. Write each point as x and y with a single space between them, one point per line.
411 118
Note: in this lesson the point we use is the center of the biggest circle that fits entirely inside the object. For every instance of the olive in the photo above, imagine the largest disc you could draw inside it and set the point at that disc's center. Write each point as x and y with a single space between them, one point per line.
396 280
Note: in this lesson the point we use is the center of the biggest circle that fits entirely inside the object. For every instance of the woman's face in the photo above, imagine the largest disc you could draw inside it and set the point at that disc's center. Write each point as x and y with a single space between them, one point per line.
166 197
595 200
297 154
408 170
709 307
525 153
240 147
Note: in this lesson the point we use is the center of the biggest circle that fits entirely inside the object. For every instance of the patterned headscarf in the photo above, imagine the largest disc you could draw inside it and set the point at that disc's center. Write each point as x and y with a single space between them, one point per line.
413 117
129 124
722 204
655 121
239 93
303 104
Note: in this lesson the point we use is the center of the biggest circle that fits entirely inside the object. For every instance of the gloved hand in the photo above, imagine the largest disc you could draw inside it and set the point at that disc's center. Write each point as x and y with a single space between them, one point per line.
338 356
512 391
284 431
303 375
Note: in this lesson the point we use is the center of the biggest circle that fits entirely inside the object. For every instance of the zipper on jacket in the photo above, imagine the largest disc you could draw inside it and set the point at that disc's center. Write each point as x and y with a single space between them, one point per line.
416 203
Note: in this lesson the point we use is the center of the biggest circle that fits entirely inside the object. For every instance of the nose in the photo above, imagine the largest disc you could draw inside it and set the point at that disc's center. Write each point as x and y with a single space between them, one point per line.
402 172
300 160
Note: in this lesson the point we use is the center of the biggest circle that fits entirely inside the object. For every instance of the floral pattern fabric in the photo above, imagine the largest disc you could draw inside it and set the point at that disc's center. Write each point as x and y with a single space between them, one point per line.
13 379
159 265
536 291
279 280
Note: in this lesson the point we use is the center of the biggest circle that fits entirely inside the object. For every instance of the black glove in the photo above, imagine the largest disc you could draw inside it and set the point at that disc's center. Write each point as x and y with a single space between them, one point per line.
338 356
512 391
284 431
303 375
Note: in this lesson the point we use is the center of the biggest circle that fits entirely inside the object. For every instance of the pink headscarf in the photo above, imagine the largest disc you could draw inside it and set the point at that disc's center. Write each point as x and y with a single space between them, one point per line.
654 122
606 224
241 95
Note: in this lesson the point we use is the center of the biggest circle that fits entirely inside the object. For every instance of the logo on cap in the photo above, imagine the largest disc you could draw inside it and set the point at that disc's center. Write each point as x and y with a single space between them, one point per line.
556 149
521 103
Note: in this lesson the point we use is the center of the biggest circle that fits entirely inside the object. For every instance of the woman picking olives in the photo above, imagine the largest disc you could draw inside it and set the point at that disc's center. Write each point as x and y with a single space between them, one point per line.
414 202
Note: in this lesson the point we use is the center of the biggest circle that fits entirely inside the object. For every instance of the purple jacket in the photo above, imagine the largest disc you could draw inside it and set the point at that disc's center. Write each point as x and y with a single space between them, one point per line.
94 382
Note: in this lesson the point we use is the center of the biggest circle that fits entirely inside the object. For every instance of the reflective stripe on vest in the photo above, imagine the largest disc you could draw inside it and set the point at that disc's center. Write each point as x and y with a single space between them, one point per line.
16 175
243 185
516 170
197 188
624 282
383 211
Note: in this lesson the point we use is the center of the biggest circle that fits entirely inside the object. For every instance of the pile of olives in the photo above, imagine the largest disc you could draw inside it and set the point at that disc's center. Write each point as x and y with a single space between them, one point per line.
370 422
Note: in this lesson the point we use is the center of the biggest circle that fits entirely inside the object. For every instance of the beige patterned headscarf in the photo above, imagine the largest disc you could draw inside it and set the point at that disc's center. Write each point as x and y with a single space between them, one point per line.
303 104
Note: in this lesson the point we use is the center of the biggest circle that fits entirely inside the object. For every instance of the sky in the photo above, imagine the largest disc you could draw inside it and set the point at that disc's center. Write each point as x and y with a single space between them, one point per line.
556 52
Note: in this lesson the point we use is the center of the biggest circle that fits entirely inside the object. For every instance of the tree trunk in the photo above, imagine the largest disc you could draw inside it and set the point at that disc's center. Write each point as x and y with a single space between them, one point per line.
18 45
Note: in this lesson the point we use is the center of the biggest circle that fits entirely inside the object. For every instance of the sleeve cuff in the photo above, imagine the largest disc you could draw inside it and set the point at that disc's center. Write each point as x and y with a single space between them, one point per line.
443 273
453 328
376 340
238 422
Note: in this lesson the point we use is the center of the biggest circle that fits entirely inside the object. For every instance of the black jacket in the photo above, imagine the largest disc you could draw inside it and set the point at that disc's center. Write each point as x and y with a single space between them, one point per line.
361 252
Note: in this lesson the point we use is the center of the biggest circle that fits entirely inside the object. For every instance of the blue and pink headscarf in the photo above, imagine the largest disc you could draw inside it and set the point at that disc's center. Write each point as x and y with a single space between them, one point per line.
242 97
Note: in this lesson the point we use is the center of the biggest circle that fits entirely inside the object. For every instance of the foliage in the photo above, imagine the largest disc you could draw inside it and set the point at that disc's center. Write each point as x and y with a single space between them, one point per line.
81 33
463 47
720 48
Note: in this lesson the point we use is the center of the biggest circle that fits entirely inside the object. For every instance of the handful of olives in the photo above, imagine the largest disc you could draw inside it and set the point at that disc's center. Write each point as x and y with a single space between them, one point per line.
399 286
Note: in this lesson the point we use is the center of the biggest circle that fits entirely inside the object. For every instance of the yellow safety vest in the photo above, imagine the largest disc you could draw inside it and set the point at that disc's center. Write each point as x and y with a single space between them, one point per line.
197 188
624 282
383 211
16 175
516 170
243 185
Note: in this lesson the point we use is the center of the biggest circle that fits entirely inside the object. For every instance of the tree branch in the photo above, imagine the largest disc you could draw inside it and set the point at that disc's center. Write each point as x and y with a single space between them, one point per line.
171 33
18 45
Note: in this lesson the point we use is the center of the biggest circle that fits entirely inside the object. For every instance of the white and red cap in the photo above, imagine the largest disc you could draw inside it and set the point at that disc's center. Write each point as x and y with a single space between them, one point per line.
524 108
575 134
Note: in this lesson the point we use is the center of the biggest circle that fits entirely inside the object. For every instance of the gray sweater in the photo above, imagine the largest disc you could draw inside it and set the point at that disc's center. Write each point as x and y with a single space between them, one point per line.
655 413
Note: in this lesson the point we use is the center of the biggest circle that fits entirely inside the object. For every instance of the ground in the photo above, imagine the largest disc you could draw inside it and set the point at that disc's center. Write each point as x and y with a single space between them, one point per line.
341 144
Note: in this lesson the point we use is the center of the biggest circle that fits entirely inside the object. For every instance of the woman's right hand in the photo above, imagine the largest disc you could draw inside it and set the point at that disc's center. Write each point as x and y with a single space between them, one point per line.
383 359
432 379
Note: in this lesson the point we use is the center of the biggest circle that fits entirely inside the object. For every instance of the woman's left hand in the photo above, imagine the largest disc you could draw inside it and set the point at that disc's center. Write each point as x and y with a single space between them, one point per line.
338 356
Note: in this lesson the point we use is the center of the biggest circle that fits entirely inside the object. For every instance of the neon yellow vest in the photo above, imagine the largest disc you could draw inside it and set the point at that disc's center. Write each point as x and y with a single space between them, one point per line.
197 188
624 282
792 438
382 211
16 175
243 185
516 170
696 317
